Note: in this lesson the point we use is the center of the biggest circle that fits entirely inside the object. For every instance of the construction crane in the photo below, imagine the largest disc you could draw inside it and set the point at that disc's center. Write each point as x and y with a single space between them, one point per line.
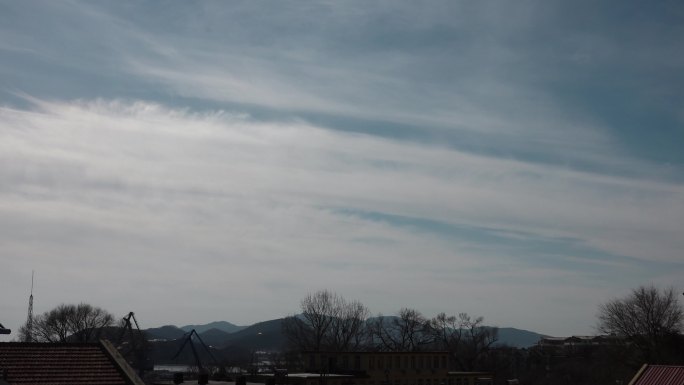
137 343
202 371
127 326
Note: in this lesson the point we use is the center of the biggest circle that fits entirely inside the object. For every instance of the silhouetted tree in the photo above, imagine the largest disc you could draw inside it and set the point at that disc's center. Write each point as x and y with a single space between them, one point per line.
409 330
467 339
68 323
327 322
348 328
651 319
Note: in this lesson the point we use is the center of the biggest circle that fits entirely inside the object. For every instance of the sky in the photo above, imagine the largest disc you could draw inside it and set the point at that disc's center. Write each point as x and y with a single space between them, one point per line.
199 161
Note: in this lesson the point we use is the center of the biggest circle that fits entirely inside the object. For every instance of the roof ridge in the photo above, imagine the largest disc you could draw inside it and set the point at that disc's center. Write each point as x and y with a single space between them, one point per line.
125 369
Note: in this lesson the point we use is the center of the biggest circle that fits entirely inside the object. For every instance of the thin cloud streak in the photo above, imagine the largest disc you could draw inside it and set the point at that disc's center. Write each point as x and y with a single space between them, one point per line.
301 163
202 157
128 188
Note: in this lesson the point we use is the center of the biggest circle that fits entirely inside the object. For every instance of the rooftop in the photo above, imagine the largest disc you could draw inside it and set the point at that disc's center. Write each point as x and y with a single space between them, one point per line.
57 364
659 375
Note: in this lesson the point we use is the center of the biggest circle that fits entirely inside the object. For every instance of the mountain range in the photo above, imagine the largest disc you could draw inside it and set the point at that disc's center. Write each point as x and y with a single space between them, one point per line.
268 335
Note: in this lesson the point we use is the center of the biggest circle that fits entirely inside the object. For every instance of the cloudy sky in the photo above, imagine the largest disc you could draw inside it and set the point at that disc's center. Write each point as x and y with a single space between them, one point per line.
200 161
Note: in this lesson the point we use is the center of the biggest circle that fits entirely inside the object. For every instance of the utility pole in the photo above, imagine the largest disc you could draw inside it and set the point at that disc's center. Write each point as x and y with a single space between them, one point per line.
29 320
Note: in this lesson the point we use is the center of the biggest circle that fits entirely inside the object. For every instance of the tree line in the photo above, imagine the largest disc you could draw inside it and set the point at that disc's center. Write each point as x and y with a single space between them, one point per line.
67 323
646 325
328 322
643 327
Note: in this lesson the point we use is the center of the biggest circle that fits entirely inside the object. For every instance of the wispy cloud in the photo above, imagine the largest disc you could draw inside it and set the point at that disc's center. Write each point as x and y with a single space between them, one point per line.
128 188
483 148
461 83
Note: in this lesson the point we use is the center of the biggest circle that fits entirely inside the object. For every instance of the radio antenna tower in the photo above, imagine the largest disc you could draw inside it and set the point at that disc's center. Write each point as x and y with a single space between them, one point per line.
29 320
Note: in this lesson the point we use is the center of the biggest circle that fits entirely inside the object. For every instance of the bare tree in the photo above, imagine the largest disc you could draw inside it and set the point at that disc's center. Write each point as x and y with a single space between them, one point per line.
327 322
649 318
467 339
646 312
69 323
348 327
408 331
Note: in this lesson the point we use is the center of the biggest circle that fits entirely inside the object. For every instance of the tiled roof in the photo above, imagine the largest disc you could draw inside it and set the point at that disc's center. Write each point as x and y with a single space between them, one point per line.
659 375
64 364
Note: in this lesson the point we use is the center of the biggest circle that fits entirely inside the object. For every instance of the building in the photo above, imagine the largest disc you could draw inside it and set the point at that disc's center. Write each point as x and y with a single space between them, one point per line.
307 379
64 363
470 378
388 368
579 341
659 375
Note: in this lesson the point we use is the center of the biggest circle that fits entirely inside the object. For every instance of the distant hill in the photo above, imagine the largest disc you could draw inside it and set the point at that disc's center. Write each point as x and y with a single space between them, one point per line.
214 337
220 325
267 335
513 337
518 338
167 332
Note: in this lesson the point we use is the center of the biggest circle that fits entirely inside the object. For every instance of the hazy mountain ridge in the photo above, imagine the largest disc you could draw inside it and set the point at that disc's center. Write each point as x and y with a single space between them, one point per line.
268 335
219 325
166 332
518 338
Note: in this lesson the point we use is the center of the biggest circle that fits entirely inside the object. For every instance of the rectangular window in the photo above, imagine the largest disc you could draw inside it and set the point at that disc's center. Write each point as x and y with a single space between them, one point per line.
371 362
435 362
443 362
381 362
397 362
405 366
413 362
421 361
357 362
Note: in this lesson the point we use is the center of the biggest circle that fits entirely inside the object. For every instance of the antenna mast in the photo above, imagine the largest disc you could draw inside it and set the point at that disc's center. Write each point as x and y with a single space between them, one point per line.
29 319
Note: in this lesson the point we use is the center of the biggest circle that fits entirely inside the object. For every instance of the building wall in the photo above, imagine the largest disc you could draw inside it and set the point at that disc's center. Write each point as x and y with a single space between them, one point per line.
384 368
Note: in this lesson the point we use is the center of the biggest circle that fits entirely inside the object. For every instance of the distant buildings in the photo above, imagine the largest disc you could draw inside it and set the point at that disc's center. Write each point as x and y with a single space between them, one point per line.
383 368
576 341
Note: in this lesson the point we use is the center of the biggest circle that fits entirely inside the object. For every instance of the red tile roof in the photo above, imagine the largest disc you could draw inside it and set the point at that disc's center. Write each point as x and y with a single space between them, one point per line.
659 375
64 364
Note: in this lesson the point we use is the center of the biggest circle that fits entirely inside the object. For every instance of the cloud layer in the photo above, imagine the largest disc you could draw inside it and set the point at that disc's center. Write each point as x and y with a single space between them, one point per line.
520 161
135 201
